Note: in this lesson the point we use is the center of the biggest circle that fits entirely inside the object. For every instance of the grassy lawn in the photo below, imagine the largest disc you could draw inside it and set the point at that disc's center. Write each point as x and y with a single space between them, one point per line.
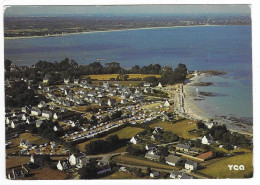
108 76
127 133
16 142
181 128
46 174
142 162
16 161
151 106
122 175
220 168
234 151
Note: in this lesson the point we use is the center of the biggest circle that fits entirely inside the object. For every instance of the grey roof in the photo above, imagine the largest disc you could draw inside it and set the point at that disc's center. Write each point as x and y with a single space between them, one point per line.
152 156
191 162
173 158
185 146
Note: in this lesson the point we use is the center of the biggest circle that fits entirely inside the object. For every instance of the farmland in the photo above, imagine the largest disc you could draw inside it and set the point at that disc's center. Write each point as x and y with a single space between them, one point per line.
46 174
127 133
141 162
181 127
109 76
220 169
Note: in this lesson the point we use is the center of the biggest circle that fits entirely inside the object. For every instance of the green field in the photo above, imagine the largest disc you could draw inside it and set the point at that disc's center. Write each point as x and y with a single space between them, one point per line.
142 162
127 133
121 175
181 128
108 76
220 168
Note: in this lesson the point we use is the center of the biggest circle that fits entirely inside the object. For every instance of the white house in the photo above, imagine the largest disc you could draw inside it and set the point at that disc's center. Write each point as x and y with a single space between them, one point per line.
16 174
66 80
111 102
166 103
63 165
123 101
45 80
46 114
55 116
38 123
135 140
76 81
16 123
35 111
154 174
159 85
207 140
79 160
209 125
191 165
42 104
147 84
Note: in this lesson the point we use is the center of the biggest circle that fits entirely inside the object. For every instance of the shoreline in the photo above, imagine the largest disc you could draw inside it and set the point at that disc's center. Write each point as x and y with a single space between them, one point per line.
195 112
86 32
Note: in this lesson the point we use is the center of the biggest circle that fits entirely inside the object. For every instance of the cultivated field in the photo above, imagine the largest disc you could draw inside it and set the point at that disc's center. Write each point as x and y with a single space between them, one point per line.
16 142
127 133
142 162
46 174
181 128
123 175
220 168
108 76
14 161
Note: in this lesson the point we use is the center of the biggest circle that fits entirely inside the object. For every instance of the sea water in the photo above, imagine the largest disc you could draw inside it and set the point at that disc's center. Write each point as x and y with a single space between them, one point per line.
224 48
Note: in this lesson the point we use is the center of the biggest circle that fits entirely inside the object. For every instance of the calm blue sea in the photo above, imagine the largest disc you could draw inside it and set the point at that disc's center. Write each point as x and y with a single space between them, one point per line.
225 48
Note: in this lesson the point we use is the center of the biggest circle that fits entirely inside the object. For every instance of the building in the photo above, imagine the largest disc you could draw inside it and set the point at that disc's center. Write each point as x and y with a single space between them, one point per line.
66 80
179 175
152 156
63 165
42 104
25 144
79 160
158 130
207 140
191 165
37 160
17 173
173 160
154 174
46 114
35 111
166 103
111 102
135 140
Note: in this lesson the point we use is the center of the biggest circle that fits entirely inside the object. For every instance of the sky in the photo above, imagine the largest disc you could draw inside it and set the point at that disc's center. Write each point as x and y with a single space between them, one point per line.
126 10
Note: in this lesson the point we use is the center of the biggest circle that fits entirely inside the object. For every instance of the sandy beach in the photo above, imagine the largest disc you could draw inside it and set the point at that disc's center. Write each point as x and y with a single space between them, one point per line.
86 32
194 108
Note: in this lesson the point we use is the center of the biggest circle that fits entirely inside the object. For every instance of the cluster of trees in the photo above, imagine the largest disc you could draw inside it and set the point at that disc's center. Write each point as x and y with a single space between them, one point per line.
178 75
168 136
102 146
136 151
19 95
150 69
57 71
220 133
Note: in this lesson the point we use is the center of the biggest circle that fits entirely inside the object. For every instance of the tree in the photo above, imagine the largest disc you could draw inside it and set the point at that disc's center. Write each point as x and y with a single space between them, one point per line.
7 64
228 147
88 172
200 125
139 173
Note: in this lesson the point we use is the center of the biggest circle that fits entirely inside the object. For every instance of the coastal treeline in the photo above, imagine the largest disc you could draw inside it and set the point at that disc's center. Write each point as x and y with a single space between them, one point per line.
57 71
